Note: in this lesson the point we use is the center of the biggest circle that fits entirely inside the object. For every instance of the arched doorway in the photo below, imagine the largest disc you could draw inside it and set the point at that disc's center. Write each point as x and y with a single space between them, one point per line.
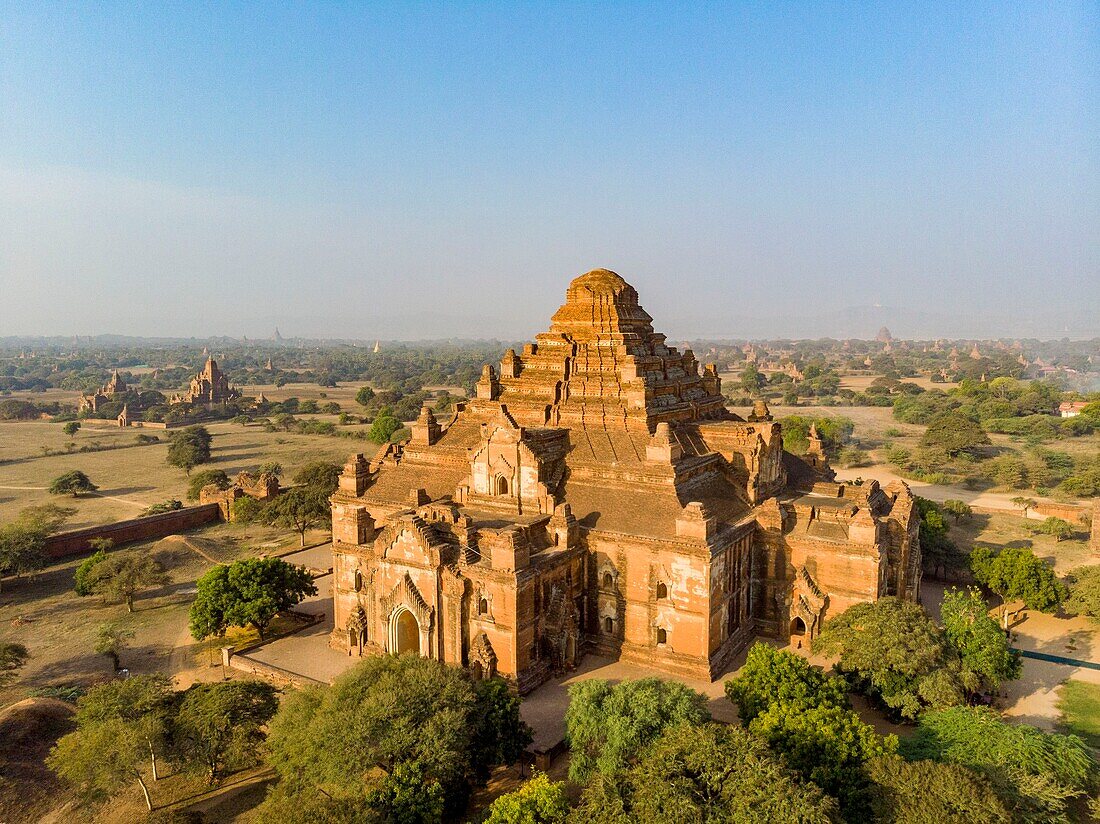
405 633
798 627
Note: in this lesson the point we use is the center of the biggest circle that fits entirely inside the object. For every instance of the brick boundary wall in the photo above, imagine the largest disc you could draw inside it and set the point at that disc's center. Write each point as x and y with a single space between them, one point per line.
113 423
64 544
1076 515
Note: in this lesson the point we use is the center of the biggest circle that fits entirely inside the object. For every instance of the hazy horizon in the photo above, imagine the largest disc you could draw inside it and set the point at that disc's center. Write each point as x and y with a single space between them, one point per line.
418 172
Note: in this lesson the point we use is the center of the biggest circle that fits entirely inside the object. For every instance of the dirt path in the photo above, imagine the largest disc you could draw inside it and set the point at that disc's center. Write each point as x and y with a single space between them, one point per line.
940 493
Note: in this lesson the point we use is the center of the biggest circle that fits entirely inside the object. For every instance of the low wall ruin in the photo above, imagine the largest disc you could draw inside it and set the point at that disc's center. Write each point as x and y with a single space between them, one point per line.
78 541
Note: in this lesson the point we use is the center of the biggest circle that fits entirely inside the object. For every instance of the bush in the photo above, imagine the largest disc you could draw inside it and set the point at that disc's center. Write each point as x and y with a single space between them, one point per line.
169 505
209 477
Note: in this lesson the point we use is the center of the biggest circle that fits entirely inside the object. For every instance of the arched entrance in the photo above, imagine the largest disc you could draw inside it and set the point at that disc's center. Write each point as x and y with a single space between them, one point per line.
798 627
404 633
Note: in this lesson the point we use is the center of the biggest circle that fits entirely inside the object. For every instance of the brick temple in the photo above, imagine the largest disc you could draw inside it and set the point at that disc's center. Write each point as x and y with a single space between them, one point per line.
597 495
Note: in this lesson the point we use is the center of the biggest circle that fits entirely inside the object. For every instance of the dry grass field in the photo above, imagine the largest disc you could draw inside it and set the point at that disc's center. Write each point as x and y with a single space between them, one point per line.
131 479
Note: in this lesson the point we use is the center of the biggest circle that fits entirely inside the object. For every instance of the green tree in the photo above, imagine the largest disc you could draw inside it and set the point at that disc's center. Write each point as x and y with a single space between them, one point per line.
12 658
752 380
249 510
827 745
710 773
957 509
501 735
168 505
952 433
891 650
121 575
82 578
23 540
74 483
928 792
608 724
1061 530
71 428
101 757
538 801
1084 591
402 712
208 477
939 554
322 476
983 647
1016 574
144 701
1024 503
247 592
110 640
383 428
222 724
189 447
772 676
271 468
300 509
1036 774
364 396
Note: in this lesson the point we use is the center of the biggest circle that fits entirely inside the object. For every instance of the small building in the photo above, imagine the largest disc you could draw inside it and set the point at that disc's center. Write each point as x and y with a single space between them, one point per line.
105 394
1071 409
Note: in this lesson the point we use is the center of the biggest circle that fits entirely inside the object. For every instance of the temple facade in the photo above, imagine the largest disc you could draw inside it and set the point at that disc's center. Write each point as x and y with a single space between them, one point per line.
597 495
209 387
105 394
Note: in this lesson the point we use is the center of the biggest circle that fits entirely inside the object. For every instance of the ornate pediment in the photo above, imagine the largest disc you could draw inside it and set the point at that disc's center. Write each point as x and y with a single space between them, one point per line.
406 594
357 621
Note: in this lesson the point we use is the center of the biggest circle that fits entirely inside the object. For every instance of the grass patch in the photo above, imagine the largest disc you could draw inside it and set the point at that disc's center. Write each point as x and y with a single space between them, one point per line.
1079 703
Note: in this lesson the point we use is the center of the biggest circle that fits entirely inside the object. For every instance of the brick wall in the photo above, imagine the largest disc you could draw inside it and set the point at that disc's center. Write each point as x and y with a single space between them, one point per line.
76 542
1076 515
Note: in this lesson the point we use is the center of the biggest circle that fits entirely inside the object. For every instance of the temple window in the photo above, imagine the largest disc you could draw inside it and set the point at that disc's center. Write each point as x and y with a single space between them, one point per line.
502 485
662 635
358 580
662 590
483 606
608 580
608 625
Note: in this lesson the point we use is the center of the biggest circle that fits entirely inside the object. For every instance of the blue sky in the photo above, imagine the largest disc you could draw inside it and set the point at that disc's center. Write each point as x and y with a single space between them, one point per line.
419 170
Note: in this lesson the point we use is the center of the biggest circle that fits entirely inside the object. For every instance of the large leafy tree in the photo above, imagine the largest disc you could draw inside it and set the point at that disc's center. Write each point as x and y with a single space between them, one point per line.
804 716
222 724
249 592
1016 574
189 447
121 726
1084 591
772 676
983 647
74 483
208 477
110 640
713 773
952 433
322 476
118 577
389 720
928 792
608 724
894 652
1035 773
939 554
300 509
23 540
